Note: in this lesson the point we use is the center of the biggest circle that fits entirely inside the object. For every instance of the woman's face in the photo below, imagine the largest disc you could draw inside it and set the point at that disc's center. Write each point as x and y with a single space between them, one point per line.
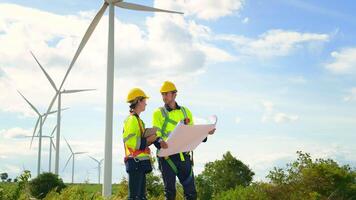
141 105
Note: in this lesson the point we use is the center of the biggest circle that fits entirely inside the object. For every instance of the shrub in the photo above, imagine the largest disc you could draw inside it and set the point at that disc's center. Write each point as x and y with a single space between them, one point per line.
44 183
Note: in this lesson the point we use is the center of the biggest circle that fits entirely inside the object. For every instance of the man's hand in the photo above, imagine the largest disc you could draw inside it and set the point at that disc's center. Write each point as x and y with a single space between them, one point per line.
163 144
151 138
212 131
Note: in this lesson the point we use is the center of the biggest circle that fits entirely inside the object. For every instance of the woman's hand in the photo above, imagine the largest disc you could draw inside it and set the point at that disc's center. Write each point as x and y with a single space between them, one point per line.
163 144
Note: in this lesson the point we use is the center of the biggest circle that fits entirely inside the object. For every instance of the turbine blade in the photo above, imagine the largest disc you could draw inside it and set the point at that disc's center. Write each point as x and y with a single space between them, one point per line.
44 71
67 161
34 131
132 6
76 91
50 113
54 146
85 39
33 107
68 145
94 159
55 111
80 152
53 130
51 105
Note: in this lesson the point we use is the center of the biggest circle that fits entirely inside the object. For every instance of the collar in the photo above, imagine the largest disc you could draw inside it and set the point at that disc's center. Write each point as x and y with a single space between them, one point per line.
134 114
170 109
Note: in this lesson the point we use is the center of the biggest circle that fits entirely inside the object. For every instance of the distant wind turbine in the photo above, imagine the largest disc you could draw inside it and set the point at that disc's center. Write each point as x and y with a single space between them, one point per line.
72 156
99 166
40 123
51 144
59 101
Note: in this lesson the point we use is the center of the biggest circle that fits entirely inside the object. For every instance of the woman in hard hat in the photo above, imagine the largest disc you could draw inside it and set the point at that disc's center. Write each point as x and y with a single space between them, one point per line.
137 152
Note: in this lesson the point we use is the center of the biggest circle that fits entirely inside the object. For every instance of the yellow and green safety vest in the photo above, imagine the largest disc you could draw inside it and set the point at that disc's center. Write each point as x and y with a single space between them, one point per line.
165 121
132 134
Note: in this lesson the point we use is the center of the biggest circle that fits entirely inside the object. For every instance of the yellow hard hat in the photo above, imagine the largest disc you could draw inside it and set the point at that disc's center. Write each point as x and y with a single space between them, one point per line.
134 93
168 87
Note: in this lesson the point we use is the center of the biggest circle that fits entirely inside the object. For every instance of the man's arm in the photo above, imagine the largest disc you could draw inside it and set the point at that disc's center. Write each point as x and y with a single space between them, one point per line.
157 123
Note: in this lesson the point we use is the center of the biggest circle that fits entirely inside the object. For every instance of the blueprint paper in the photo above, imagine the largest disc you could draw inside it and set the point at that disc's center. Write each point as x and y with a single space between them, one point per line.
186 138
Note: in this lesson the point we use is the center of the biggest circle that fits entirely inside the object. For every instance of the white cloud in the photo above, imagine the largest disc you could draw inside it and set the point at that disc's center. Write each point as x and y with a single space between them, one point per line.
15 133
351 96
167 46
11 148
203 9
268 105
237 120
245 20
278 117
10 169
274 43
344 61
282 118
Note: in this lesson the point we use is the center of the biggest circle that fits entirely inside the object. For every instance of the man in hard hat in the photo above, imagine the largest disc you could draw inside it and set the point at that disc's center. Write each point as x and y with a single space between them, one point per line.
178 165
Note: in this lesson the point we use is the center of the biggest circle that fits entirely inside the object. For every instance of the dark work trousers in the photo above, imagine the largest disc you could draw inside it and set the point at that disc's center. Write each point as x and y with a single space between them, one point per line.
137 185
185 176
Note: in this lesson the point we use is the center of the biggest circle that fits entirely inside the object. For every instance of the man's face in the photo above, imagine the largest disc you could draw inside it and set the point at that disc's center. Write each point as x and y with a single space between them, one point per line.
168 97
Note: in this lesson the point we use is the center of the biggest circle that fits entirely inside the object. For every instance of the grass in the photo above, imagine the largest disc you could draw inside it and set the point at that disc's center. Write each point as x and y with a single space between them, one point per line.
93 188
8 186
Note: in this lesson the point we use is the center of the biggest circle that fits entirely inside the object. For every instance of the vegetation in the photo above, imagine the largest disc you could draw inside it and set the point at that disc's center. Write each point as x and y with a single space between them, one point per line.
225 179
44 183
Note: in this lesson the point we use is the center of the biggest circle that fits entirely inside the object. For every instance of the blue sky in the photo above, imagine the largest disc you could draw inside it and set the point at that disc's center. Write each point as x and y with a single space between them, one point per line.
280 76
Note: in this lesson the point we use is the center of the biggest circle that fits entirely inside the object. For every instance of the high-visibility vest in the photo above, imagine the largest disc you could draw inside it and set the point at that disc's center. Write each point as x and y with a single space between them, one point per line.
165 121
132 134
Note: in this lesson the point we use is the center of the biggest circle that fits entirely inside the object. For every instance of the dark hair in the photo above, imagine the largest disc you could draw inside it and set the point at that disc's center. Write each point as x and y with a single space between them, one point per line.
134 103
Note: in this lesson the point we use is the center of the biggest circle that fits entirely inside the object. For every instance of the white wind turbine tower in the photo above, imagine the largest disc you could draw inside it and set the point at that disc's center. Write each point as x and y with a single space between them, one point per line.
107 187
40 123
59 92
73 157
99 166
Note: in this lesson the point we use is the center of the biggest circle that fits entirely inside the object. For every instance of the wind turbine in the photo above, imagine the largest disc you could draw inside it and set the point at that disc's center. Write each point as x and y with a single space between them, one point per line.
107 187
99 167
59 92
40 123
51 144
73 157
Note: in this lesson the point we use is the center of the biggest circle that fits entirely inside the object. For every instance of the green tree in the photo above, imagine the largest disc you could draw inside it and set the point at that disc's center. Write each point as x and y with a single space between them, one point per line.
22 190
313 179
4 176
44 183
154 186
204 188
223 175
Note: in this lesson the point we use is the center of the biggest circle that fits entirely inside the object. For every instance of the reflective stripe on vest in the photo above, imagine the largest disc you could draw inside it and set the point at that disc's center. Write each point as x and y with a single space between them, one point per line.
168 120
